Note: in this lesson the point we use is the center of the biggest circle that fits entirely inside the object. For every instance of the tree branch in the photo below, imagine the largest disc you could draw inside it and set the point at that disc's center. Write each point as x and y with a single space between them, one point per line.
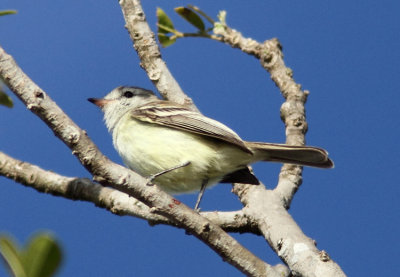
150 55
283 234
108 198
75 188
124 179
269 207
292 111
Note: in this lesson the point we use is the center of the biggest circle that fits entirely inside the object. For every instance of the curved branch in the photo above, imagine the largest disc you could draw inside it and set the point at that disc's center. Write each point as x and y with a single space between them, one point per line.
269 207
124 179
292 114
292 111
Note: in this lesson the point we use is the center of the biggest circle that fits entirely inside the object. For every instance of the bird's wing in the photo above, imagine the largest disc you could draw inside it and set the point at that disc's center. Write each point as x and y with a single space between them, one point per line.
176 116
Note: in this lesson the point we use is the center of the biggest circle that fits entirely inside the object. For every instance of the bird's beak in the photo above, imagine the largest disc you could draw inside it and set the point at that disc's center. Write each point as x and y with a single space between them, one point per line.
99 102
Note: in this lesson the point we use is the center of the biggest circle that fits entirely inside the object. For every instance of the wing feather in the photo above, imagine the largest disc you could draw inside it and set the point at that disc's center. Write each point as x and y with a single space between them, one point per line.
176 116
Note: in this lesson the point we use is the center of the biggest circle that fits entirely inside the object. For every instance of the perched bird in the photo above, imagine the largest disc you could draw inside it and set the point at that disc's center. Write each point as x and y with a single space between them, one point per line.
184 151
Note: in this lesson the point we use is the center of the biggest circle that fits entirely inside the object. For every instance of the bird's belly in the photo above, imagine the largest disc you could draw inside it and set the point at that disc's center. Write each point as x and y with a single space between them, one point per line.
149 149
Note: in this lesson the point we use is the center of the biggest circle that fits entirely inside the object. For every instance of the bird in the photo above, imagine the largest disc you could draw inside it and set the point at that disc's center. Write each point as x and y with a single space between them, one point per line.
181 150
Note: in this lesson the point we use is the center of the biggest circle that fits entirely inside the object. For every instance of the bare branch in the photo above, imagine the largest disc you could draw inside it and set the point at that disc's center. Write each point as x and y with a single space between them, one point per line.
74 188
285 237
149 53
292 111
269 207
235 221
113 200
124 179
292 114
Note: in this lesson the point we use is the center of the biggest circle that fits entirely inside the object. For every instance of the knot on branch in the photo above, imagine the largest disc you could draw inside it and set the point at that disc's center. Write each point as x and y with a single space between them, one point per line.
206 228
73 135
31 178
154 74
292 110
137 35
324 256
139 15
39 94
270 53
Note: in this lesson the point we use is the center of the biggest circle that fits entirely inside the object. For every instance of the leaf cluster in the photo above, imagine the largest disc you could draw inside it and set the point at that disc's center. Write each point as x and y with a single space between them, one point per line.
41 257
167 34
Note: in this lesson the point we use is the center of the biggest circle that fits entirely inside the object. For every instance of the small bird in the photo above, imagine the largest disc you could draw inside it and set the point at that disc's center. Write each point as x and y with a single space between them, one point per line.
184 151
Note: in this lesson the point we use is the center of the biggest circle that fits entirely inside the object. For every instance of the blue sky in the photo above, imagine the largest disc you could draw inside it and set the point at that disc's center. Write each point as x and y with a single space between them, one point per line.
345 52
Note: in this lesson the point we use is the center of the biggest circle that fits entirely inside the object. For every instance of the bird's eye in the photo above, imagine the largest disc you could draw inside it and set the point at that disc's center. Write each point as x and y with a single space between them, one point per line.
128 94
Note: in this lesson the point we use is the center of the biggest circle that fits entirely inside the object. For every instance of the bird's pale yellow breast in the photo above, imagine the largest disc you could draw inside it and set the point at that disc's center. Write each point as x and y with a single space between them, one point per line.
149 148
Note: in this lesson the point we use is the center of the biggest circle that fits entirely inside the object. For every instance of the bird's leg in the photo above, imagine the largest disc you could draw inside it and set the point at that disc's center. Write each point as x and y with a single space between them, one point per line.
201 193
153 176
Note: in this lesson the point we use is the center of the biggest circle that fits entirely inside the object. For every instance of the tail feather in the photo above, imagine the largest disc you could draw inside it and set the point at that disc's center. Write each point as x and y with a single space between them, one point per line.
301 155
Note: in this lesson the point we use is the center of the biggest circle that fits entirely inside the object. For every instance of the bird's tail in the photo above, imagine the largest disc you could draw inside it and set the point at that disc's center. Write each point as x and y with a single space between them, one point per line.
283 153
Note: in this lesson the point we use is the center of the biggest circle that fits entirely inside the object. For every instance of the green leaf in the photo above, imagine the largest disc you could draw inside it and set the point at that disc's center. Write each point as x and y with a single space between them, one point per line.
191 17
7 12
5 99
164 20
165 27
42 256
165 40
9 252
